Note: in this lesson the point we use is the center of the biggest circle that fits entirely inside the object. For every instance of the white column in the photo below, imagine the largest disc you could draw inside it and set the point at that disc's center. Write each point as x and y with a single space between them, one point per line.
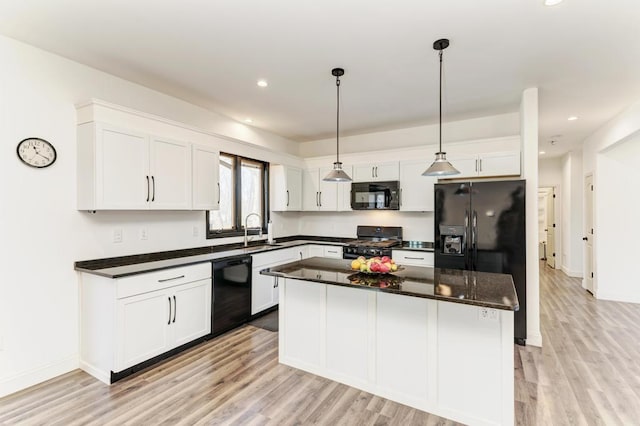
529 147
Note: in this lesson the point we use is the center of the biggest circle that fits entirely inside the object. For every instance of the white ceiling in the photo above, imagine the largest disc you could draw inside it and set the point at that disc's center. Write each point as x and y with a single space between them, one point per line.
584 55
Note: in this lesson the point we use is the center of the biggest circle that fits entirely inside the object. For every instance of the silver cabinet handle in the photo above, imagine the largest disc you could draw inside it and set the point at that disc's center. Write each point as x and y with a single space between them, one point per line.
414 258
169 299
372 168
175 308
153 181
171 279
481 164
147 189
376 171
320 198
287 198
476 164
317 199
218 193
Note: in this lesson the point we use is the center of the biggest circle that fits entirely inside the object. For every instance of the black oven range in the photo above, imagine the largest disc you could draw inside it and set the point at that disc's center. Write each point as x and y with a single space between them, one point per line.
373 241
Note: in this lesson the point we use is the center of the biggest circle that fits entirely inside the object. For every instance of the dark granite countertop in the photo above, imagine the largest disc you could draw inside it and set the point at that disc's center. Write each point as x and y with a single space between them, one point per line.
122 266
469 287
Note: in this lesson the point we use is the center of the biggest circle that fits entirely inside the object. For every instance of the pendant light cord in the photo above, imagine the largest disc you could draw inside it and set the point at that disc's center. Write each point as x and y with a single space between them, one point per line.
440 112
337 119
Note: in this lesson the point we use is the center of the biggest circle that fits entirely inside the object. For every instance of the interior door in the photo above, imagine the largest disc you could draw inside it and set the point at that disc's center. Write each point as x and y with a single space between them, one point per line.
588 238
551 229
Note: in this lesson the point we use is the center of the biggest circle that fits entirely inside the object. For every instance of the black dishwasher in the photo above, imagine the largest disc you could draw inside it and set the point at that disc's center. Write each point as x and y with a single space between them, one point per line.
231 293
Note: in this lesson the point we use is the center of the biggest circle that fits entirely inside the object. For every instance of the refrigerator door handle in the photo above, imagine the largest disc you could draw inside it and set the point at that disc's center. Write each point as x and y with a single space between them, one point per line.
474 240
467 246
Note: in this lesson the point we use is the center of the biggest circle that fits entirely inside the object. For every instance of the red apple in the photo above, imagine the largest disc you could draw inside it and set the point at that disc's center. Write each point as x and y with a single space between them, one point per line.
374 267
385 259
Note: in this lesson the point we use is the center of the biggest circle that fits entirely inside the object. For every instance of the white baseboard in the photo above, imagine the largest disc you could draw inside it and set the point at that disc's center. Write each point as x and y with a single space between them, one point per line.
37 375
534 339
569 272
614 297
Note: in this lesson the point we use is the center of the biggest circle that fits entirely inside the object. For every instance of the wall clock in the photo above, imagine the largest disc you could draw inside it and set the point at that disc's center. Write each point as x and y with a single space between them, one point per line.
36 152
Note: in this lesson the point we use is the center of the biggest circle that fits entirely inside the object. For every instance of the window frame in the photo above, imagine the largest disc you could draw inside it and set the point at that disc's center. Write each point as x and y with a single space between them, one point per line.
238 229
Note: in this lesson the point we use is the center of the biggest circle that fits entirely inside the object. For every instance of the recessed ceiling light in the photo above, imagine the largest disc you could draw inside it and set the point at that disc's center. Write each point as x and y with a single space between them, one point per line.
262 83
542 152
248 120
572 118
551 2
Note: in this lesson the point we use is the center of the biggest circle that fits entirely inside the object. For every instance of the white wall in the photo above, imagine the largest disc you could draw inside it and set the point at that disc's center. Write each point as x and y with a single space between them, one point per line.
529 142
617 227
572 232
610 253
43 233
495 126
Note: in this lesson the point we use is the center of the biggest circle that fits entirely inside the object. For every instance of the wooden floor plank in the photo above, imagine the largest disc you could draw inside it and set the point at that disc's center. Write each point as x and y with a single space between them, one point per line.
587 373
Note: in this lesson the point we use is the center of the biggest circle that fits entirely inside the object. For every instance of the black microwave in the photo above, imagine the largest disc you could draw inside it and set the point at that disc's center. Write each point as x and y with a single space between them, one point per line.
375 195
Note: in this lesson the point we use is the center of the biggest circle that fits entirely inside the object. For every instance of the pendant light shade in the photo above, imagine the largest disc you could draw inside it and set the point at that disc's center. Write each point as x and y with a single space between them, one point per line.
440 167
337 174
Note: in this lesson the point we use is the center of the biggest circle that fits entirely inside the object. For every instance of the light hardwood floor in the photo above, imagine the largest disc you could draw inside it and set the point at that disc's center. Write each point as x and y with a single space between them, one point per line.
587 373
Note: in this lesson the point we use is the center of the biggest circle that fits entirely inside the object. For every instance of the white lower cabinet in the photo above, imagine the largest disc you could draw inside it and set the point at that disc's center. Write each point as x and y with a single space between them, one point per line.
413 258
411 350
316 250
264 289
126 321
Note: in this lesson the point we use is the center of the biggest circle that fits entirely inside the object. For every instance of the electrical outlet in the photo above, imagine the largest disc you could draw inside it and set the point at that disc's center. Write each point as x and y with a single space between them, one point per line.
117 235
196 231
487 314
143 234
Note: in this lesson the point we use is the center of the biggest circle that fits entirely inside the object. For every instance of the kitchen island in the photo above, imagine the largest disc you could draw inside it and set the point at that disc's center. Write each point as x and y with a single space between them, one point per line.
434 339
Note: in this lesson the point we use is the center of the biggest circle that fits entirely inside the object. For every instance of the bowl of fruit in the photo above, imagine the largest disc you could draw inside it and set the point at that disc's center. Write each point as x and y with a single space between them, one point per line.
375 265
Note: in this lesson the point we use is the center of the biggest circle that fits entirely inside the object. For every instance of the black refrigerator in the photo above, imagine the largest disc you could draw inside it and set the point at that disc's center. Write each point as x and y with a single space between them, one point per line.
480 226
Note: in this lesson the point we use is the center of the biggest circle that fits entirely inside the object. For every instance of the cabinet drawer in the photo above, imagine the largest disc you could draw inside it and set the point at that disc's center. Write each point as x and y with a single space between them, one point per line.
157 280
275 257
333 252
413 258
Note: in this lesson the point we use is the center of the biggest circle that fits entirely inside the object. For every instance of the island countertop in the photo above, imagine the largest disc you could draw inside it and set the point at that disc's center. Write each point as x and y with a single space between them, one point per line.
469 287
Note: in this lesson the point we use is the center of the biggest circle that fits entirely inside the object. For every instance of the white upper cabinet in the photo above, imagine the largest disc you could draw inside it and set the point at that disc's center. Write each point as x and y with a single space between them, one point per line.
487 164
344 191
416 191
286 188
317 194
376 172
122 169
170 173
113 168
206 176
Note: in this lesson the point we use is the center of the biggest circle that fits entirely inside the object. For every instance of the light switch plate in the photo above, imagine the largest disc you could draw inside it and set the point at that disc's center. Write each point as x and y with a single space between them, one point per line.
117 235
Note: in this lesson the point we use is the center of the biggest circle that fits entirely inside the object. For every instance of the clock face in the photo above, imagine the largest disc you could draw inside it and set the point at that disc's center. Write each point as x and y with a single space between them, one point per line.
36 152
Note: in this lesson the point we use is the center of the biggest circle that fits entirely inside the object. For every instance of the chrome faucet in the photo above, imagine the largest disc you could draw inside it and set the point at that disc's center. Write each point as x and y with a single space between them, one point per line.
246 219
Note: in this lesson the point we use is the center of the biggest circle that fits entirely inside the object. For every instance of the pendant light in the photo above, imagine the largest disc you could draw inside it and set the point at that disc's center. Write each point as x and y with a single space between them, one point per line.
337 174
440 167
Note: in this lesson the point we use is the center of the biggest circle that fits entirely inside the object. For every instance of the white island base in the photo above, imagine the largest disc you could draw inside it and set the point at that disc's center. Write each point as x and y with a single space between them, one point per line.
440 357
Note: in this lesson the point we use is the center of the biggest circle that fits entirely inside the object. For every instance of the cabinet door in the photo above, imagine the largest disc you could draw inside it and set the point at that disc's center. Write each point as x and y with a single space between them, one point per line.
142 329
191 317
262 291
122 169
315 251
294 188
328 196
170 168
310 190
387 171
499 164
466 165
206 176
344 192
363 173
416 191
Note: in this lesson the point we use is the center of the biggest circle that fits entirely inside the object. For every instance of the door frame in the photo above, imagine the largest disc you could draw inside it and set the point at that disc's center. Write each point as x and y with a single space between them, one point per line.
553 192
588 233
